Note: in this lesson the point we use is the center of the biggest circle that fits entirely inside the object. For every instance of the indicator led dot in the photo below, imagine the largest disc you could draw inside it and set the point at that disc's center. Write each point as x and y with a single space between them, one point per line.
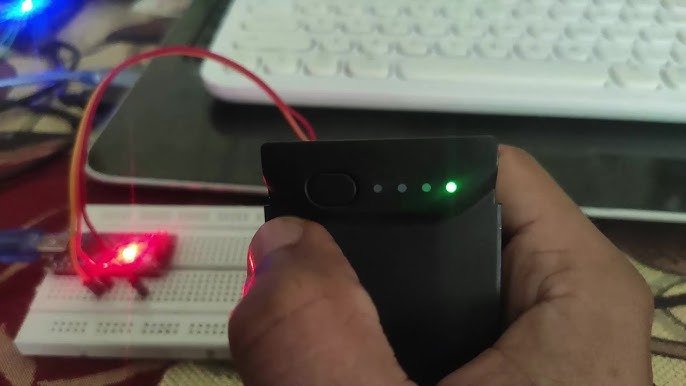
402 188
426 188
378 188
451 187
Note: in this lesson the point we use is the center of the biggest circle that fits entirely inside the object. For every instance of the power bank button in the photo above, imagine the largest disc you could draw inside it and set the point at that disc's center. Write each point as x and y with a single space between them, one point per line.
331 189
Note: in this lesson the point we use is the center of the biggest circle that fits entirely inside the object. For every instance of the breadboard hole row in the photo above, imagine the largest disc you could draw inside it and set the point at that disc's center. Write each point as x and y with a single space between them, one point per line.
176 286
208 329
69 326
163 328
183 217
212 250
142 327
113 328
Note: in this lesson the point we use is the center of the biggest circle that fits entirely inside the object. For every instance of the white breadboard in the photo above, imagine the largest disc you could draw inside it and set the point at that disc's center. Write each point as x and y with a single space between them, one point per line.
186 313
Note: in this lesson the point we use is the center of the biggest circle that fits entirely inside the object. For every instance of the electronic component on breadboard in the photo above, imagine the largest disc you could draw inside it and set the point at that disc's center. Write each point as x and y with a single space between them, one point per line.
130 256
185 315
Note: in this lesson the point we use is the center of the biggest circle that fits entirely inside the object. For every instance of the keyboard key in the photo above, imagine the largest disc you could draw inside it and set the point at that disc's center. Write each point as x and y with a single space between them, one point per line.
612 52
358 26
493 10
246 59
459 10
338 44
470 29
395 27
374 46
530 11
421 10
413 47
352 10
582 32
368 67
581 3
601 15
574 51
679 54
280 63
321 64
675 77
321 24
433 28
537 73
493 48
651 53
617 3
273 42
566 12
620 33
670 18
533 50
635 78
454 46
646 5
506 29
657 34
315 9
271 25
637 16
607 5
544 31
540 3
383 10
676 6
273 12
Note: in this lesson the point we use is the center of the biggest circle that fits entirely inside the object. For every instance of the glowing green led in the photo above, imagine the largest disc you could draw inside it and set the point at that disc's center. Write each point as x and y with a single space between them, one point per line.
426 188
451 187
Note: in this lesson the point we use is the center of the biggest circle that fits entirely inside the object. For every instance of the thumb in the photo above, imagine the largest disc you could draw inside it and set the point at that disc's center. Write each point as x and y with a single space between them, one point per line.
490 368
305 318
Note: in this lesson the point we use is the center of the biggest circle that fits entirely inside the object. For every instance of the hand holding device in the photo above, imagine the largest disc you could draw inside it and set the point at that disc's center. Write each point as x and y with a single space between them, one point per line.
578 312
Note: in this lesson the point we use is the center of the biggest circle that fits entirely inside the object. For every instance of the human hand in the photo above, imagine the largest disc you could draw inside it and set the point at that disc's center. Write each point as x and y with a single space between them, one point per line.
579 314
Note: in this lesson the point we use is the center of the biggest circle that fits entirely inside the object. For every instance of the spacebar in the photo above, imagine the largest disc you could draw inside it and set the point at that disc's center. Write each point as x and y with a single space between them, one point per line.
569 74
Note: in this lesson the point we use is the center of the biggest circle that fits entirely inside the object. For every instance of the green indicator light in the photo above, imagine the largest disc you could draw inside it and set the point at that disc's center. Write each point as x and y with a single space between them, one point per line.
451 187
426 188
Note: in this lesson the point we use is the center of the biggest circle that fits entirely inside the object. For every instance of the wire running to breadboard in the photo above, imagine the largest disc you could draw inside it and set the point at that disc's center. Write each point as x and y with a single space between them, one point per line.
82 263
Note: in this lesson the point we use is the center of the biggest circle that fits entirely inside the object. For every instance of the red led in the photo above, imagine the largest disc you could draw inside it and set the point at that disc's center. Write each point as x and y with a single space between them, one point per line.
131 255
127 254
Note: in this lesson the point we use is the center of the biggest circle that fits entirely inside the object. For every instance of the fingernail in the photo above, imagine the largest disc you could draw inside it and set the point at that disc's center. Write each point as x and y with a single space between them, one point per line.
273 235
276 234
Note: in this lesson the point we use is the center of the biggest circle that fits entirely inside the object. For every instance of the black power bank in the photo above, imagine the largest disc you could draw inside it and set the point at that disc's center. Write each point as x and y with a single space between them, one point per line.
418 221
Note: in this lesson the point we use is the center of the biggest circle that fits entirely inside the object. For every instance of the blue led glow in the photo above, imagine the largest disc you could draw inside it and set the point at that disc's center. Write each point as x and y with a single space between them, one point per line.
22 9
27 6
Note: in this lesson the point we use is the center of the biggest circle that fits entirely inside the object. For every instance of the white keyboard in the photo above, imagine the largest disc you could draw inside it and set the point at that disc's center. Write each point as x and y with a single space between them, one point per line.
618 59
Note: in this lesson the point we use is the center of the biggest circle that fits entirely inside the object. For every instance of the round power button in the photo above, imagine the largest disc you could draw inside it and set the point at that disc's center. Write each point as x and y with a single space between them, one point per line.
331 189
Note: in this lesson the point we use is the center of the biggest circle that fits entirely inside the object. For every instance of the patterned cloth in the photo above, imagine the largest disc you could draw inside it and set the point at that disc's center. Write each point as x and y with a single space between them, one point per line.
669 328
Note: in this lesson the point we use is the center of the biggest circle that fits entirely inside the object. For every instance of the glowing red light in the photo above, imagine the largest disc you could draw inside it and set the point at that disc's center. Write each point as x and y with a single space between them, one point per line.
250 274
128 253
